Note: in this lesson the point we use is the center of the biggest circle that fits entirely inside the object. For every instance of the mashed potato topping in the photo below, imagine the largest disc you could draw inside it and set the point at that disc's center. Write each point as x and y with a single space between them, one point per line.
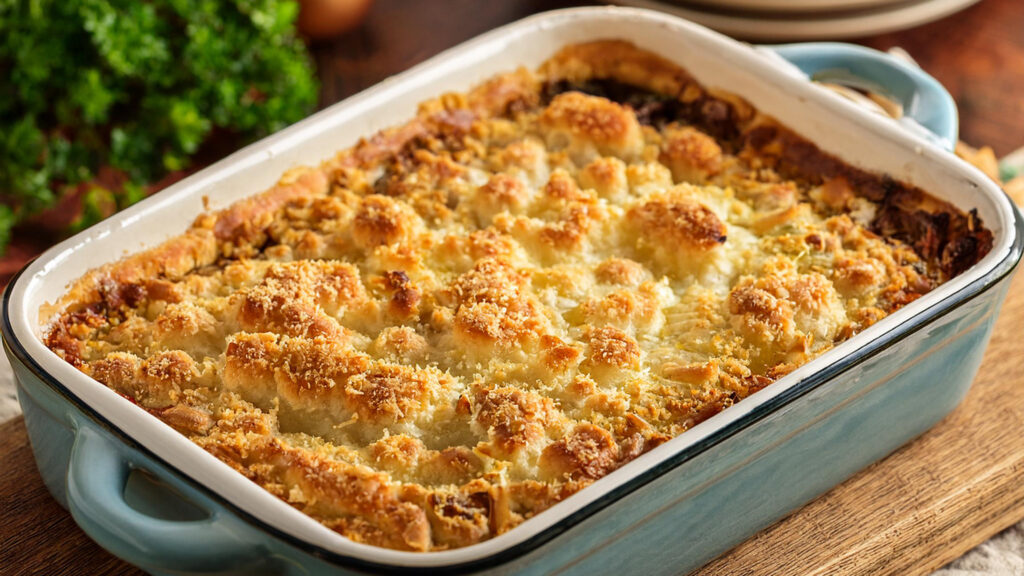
460 321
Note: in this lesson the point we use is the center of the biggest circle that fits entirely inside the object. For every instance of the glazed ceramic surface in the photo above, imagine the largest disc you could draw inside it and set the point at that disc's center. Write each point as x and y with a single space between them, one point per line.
150 496
789 5
768 21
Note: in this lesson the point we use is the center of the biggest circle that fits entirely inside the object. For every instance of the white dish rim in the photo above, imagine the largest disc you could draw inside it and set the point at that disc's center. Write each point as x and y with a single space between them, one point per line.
216 477
790 27
789 6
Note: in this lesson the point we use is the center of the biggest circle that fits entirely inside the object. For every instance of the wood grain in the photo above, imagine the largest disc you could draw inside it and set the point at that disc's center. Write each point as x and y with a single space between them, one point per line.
37 536
923 506
913 512
978 54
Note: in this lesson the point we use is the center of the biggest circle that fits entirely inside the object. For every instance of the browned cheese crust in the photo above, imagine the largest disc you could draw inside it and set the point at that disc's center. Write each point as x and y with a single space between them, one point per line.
461 321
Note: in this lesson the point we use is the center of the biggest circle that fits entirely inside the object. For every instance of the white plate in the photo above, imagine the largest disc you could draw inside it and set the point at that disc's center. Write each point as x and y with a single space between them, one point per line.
772 27
834 124
789 5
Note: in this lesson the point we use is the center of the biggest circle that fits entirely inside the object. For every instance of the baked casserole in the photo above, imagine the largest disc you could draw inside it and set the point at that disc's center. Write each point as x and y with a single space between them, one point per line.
461 321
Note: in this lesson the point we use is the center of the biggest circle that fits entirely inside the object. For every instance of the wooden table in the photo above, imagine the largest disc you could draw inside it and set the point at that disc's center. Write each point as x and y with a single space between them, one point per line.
913 512
978 54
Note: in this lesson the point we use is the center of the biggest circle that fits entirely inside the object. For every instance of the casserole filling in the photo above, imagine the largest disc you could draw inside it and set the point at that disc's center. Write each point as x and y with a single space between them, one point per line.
461 321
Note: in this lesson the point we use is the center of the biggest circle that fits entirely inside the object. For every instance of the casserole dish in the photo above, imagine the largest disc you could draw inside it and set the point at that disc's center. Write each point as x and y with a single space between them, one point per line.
803 435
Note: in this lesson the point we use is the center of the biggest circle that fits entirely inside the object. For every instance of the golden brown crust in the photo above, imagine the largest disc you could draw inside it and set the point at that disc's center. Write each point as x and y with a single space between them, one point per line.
461 321
587 452
514 419
611 128
619 60
690 154
680 222
610 346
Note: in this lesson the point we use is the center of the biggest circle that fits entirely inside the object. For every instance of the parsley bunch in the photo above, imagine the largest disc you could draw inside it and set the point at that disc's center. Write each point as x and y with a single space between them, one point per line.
136 86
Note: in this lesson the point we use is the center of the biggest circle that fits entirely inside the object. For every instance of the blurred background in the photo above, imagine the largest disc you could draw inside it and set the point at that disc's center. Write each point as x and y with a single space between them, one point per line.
104 102
109 101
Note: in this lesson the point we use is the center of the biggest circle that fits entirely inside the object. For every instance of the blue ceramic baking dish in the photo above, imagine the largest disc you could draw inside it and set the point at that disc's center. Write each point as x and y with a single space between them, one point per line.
150 496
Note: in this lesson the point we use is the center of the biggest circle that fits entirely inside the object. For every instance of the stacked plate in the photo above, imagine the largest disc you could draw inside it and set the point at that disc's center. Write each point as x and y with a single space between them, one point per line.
805 19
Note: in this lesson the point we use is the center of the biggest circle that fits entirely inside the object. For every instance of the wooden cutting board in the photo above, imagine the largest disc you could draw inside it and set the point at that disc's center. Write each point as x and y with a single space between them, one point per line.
915 511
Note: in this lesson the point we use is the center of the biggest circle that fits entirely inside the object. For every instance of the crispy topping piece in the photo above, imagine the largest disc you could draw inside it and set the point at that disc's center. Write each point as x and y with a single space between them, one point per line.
464 319
609 127
587 452
683 223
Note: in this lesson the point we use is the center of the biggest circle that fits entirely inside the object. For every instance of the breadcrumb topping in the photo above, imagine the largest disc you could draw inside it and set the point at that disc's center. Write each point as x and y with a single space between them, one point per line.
457 323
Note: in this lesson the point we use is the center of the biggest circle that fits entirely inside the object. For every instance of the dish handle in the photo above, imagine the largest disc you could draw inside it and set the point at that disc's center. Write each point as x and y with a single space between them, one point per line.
97 479
923 98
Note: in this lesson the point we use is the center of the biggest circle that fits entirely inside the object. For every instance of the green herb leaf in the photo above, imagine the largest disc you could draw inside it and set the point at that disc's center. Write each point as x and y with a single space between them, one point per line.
137 87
